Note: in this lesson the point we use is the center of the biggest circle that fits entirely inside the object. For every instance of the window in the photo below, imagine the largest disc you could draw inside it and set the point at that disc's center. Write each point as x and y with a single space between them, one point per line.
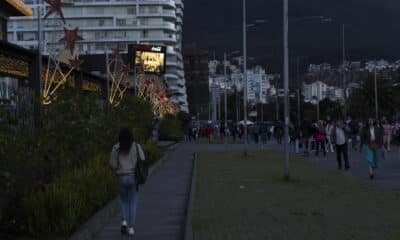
121 22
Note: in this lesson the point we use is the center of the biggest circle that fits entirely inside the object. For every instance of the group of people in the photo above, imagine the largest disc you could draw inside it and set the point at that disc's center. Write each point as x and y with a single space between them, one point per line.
372 138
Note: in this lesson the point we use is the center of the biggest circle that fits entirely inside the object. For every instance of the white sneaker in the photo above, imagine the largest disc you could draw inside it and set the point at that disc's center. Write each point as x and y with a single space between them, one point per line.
131 231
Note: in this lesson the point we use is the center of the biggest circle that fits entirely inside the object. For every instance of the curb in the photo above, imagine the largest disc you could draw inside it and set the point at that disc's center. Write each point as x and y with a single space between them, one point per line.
190 205
90 228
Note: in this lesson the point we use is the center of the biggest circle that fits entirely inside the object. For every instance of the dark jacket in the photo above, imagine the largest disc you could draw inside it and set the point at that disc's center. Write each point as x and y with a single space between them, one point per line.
366 136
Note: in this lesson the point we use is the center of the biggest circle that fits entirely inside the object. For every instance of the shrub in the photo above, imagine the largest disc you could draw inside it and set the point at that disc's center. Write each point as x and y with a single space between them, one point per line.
152 152
70 199
170 129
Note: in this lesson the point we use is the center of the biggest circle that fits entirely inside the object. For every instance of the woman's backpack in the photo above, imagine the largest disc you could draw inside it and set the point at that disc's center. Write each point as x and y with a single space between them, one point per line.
141 169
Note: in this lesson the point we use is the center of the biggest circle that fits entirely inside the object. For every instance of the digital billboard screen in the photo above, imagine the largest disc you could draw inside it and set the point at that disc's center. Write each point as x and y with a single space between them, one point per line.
151 58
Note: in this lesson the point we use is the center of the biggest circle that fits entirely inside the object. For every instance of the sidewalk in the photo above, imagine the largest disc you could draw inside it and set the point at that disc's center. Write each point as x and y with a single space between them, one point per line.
162 201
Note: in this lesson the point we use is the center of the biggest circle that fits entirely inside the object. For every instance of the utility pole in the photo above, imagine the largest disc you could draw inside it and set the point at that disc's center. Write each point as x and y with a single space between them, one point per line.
245 73
298 92
286 82
39 22
376 93
344 72
226 98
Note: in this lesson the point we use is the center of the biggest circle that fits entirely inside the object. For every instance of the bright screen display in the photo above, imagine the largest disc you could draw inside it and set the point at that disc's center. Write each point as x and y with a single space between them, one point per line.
151 58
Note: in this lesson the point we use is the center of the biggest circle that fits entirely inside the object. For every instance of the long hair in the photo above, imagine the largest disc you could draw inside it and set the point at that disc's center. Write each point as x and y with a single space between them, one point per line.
125 140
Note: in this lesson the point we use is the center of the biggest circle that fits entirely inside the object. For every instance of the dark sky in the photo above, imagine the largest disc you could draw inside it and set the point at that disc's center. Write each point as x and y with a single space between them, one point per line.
372 30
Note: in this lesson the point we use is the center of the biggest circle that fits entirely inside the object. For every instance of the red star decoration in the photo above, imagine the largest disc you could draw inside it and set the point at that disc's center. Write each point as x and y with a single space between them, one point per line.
71 37
126 69
75 63
56 7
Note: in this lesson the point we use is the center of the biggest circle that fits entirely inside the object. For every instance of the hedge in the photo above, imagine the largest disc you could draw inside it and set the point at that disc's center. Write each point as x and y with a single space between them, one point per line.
73 198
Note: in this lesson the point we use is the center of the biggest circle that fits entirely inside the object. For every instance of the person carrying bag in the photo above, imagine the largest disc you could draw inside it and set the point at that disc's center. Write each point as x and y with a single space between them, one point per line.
128 161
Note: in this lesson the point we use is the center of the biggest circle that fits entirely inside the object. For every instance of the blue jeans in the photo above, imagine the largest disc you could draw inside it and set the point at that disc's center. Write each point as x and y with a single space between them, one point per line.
128 198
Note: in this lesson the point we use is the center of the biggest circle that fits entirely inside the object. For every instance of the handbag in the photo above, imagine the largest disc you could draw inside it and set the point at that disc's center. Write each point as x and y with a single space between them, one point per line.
374 146
141 169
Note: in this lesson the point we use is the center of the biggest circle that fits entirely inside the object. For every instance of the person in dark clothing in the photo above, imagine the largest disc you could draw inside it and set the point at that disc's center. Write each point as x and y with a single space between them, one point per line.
340 138
305 135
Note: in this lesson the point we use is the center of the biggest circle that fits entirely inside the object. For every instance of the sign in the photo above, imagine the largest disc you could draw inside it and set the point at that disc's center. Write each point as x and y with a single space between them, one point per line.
151 58
14 66
91 86
253 114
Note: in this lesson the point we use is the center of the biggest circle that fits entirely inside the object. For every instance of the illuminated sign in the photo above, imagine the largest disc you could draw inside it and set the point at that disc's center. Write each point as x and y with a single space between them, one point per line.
91 86
150 58
13 66
21 7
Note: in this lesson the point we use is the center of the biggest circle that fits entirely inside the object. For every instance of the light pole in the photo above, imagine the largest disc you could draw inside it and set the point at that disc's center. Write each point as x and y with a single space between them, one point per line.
344 72
286 83
245 73
39 22
226 98
376 93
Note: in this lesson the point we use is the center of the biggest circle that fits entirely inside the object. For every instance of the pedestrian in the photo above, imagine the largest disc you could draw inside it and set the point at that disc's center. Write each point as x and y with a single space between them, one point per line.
123 159
388 130
340 135
371 142
329 143
305 135
320 138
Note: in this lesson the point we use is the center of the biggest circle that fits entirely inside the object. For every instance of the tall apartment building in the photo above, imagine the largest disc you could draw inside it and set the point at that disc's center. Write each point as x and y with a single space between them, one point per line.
105 23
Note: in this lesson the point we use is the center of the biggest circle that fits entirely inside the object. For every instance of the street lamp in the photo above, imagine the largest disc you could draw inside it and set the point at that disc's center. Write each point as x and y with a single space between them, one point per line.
245 73
286 82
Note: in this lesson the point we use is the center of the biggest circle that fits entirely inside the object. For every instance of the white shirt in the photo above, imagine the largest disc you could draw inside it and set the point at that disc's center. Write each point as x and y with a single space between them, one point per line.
340 137
372 131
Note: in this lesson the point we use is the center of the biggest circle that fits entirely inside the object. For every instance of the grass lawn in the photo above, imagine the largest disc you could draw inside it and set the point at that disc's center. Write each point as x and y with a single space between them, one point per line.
238 198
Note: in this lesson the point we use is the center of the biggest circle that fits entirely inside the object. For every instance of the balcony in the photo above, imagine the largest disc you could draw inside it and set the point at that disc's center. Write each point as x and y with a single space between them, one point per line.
165 13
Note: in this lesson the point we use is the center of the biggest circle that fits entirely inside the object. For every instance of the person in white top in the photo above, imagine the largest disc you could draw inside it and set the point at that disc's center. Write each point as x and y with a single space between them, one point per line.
339 136
123 159
328 129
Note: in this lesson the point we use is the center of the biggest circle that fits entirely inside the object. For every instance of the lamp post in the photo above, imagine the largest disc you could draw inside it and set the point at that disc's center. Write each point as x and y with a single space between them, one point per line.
226 98
39 53
376 93
245 73
286 83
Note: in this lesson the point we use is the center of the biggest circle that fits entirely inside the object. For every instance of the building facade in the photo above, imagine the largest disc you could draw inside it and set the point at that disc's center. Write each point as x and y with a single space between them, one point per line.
196 74
105 24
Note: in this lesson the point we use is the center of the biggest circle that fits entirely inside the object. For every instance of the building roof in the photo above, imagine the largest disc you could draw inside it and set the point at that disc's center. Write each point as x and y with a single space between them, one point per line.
16 8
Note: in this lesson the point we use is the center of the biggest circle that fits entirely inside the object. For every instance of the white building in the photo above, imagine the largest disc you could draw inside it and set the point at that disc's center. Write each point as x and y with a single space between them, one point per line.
319 91
105 23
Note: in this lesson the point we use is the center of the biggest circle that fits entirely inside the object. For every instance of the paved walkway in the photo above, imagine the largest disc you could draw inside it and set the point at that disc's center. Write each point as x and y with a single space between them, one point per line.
163 200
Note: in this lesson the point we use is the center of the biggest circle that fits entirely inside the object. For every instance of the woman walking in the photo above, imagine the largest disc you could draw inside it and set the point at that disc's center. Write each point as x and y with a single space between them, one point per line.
371 142
320 138
329 144
123 159
387 134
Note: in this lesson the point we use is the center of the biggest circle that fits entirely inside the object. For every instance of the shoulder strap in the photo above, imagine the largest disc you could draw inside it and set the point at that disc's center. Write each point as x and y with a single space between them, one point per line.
137 153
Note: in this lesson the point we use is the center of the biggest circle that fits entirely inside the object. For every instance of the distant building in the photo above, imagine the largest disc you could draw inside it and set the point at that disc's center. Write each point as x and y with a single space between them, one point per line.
197 82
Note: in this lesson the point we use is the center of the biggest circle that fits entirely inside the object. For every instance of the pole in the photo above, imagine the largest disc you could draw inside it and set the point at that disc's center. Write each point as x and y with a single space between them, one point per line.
298 92
107 79
245 72
344 72
286 82
39 22
376 93
226 97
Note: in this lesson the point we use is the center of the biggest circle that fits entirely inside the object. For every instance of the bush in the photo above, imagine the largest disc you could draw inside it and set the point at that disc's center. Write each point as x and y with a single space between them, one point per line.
72 131
170 129
70 199
74 197
152 152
